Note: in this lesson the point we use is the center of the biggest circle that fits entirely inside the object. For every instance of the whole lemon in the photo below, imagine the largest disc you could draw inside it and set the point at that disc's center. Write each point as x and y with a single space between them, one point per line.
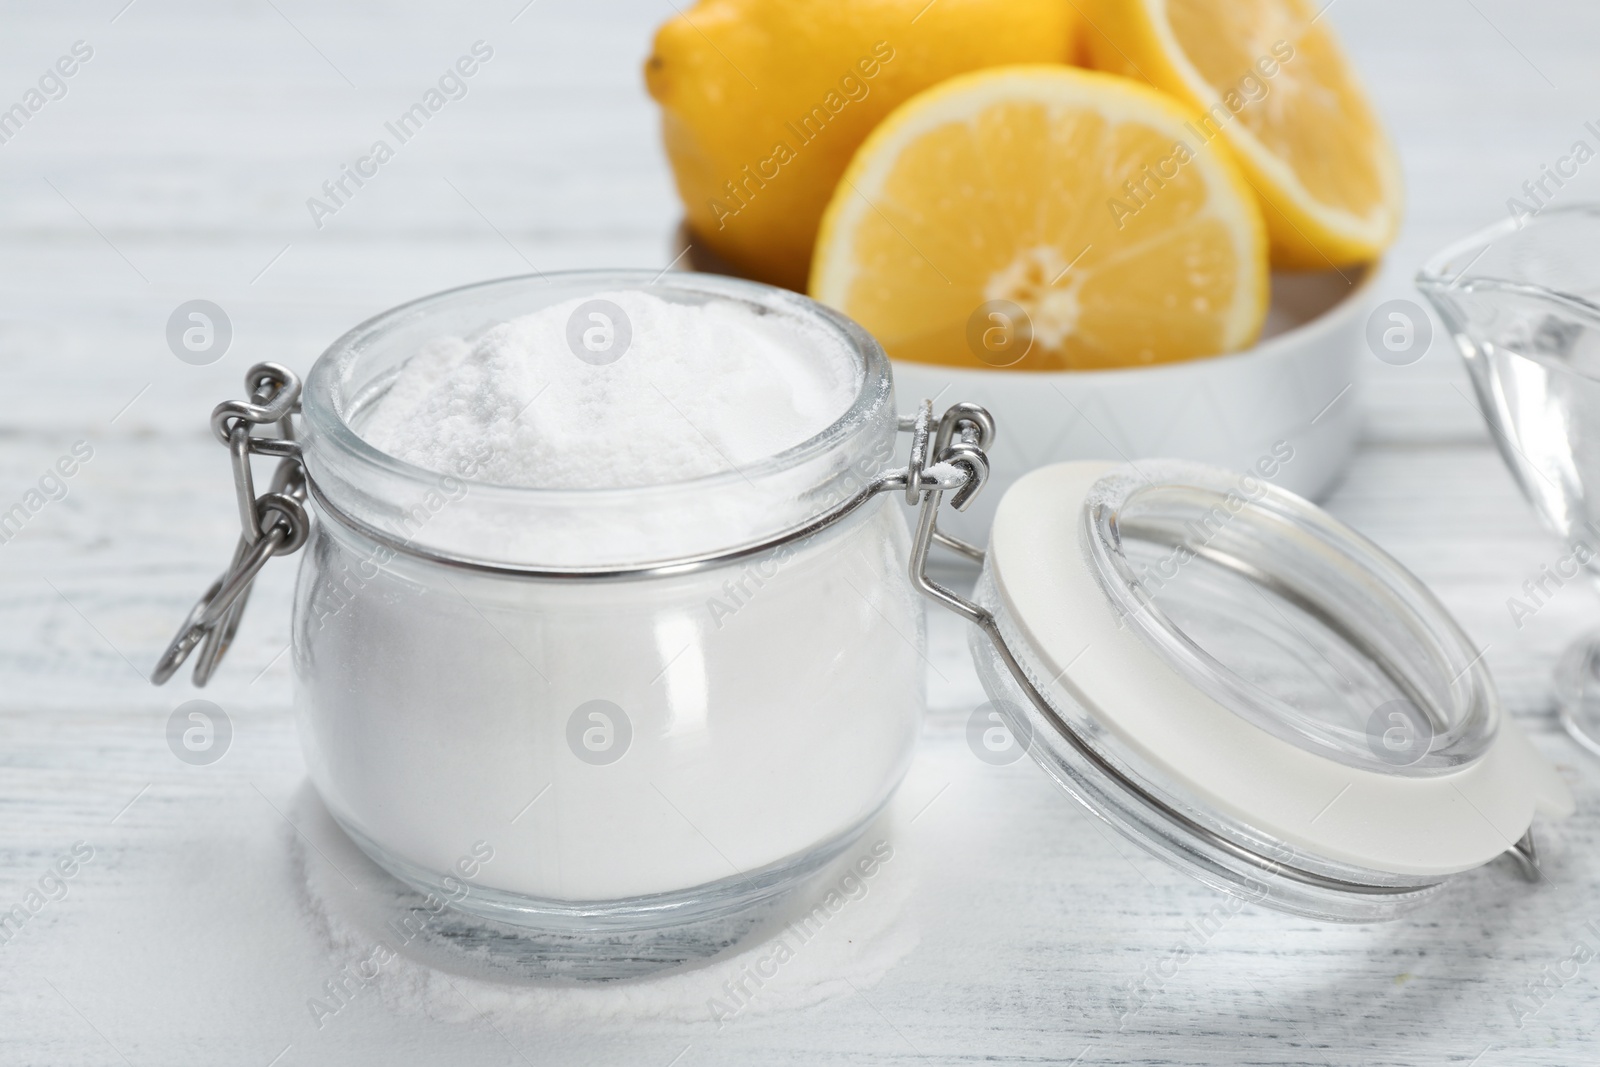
764 102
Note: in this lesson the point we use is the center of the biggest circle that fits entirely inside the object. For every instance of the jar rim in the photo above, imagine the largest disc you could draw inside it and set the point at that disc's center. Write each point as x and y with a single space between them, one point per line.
451 517
326 403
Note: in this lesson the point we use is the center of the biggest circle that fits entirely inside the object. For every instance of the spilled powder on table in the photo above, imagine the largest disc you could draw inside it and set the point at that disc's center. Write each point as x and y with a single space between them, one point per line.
469 973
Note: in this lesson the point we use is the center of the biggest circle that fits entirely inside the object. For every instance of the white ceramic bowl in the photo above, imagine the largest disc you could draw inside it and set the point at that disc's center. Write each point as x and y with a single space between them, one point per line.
1297 385
1296 389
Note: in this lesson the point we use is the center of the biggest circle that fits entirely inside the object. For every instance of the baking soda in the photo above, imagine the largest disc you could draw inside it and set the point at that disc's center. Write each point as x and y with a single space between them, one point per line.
613 740
697 389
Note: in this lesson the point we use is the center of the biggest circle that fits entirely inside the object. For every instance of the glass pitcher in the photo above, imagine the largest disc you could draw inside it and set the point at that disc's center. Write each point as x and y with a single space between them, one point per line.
1522 299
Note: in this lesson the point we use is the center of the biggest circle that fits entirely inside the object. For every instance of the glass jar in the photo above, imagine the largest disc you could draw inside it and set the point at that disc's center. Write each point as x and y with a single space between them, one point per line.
652 703
666 705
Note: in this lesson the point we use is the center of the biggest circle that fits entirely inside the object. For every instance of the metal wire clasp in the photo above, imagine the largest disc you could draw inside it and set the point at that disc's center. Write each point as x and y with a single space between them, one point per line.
957 448
273 524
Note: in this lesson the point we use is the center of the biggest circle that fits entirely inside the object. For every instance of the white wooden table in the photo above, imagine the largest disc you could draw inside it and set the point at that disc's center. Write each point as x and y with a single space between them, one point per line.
1008 927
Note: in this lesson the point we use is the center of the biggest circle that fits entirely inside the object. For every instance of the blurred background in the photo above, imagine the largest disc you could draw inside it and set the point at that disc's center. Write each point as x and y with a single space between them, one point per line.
179 163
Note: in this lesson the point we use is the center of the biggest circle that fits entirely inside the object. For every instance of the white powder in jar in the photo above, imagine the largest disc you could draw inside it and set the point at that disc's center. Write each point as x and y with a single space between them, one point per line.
698 388
763 709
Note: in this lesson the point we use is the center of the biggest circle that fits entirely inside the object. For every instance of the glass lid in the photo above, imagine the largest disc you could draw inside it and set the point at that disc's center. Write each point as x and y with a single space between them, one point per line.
1246 687
1290 619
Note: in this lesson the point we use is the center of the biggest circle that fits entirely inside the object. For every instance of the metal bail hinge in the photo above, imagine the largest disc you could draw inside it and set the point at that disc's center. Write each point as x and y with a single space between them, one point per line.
1526 857
951 457
273 524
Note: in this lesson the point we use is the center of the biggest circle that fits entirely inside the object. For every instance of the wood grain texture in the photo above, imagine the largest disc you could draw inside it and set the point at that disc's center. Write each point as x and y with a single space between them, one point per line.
178 165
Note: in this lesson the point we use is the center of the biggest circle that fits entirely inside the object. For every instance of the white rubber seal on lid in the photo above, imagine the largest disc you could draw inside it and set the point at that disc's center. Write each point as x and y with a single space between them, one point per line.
1284 781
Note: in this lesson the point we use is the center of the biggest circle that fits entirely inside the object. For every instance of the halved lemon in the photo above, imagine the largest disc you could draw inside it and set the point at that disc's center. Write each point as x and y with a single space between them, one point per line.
1044 218
1270 79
